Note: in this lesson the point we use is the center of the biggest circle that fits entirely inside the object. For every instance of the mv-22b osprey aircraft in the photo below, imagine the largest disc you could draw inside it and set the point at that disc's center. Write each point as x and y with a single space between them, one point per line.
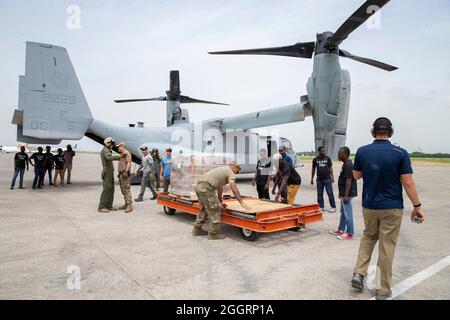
52 106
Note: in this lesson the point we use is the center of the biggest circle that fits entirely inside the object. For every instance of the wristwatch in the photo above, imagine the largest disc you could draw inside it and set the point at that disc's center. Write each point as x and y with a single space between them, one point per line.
418 205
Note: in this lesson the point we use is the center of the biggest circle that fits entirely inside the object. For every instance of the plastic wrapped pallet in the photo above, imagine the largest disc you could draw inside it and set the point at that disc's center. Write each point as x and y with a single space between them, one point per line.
188 169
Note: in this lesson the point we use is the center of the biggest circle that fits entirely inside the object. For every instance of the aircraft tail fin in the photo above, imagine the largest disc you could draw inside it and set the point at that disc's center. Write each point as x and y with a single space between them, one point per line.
52 106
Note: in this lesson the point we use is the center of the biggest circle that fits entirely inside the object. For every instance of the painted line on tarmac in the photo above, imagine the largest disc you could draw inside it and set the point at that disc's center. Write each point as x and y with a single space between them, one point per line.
414 280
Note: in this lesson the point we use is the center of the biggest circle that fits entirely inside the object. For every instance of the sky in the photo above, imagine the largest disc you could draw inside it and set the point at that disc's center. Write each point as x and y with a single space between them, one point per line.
125 49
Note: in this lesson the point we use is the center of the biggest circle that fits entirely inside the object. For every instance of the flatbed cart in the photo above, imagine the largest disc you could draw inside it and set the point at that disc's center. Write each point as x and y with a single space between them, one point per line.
250 225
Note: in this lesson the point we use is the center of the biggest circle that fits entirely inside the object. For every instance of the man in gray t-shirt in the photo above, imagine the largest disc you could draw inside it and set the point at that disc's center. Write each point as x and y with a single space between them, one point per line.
146 168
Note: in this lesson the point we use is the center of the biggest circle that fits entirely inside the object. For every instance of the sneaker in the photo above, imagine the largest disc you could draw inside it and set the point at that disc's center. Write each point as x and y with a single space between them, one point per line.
385 296
22 188
40 187
11 188
69 182
138 200
332 210
153 198
345 236
336 232
358 281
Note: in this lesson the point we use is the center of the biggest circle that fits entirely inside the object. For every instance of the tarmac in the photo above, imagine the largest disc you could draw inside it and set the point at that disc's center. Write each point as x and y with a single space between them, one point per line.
47 234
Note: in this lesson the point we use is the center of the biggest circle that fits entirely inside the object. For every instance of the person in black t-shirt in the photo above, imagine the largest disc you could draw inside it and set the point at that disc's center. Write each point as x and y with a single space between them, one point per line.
287 179
58 159
347 191
325 178
20 162
38 165
263 175
48 165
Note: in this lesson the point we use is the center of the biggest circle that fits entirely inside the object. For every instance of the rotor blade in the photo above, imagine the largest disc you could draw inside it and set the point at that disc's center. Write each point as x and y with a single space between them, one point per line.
298 50
371 62
140 100
186 99
360 16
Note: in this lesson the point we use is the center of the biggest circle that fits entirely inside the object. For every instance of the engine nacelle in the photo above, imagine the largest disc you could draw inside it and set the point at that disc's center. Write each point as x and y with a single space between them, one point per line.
329 95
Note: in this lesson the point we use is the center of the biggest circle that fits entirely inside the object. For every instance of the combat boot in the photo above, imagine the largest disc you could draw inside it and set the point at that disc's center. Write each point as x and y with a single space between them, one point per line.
198 231
123 207
214 234
129 208
103 210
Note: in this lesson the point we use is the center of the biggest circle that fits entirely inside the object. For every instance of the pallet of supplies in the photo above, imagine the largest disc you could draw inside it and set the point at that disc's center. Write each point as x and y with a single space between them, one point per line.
188 169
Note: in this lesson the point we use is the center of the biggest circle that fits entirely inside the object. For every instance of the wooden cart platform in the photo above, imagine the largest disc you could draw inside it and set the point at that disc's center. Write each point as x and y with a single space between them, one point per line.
265 217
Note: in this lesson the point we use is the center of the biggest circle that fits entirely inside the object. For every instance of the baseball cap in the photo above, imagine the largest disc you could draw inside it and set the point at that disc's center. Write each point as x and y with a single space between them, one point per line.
108 140
234 163
169 149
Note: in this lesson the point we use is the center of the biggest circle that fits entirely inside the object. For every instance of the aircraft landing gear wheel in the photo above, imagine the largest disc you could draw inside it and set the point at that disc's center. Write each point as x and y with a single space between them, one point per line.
169 211
248 235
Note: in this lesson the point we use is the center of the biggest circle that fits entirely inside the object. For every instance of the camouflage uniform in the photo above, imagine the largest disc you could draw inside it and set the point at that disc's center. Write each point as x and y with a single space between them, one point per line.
211 209
107 196
206 190
124 178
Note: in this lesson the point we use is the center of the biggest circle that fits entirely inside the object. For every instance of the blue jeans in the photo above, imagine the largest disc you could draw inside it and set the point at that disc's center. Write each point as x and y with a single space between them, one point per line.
49 170
321 183
38 176
146 182
18 171
346 221
166 183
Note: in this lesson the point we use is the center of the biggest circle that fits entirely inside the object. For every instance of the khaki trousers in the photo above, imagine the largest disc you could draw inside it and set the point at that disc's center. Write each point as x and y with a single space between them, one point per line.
382 226
60 173
292 191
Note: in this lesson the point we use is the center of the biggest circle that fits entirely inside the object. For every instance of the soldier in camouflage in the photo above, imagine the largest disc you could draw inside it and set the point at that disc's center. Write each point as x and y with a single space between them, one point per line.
124 169
209 191
107 196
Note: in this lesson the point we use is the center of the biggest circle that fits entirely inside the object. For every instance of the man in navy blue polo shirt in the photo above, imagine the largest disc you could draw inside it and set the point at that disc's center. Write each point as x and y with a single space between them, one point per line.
385 169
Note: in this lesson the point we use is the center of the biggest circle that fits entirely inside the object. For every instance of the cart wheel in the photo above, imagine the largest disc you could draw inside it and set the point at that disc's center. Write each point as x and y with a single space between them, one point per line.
169 211
248 235
295 229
